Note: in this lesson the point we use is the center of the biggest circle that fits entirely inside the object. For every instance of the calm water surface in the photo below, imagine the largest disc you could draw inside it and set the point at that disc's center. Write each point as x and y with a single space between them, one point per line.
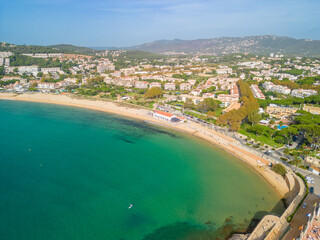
70 173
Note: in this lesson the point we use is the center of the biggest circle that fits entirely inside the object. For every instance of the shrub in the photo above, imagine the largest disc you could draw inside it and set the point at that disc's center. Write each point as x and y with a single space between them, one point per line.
284 159
279 168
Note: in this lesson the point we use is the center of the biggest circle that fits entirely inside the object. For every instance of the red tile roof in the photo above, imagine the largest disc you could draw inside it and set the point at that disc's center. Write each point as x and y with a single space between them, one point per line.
165 113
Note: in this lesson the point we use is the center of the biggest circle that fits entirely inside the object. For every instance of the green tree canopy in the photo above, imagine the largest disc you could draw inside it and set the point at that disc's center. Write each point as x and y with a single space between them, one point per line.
189 104
154 92
208 104
280 169
249 105
254 117
288 133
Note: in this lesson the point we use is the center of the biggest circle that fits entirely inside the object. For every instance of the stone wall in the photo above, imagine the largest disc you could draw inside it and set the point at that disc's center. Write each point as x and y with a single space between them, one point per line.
281 224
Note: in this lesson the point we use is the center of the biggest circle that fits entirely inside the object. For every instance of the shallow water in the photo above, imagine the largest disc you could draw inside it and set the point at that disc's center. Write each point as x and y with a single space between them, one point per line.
71 173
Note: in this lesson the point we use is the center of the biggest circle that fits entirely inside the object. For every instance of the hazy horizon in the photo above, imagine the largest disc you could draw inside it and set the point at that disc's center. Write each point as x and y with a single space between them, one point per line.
119 47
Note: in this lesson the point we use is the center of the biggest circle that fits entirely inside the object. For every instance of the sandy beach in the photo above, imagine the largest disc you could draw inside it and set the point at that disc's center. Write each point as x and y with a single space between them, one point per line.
224 142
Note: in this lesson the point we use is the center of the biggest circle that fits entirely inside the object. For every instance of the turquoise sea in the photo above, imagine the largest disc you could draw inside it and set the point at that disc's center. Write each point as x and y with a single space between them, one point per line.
70 173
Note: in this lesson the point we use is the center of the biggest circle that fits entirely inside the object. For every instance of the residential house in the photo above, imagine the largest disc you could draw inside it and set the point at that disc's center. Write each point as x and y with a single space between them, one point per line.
51 70
185 86
169 86
128 71
257 92
46 86
280 111
228 98
101 68
141 84
71 81
155 84
311 109
24 69
269 86
302 93
196 92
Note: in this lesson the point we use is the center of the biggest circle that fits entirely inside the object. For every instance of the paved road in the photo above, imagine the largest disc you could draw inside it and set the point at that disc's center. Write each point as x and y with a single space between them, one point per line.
301 217
315 177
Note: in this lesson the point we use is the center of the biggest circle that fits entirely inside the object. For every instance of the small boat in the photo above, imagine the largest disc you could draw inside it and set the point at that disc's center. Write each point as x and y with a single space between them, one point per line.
131 205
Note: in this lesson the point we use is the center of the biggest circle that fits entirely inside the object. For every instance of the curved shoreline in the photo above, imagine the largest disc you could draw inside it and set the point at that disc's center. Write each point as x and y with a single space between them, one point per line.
221 141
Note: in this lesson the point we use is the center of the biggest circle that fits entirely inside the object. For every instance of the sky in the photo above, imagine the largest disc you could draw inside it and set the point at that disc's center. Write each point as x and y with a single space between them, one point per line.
121 23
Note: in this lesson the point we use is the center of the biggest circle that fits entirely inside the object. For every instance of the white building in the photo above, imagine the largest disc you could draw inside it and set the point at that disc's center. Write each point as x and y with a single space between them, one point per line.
167 116
116 74
24 69
18 88
51 70
128 71
169 86
155 84
46 86
196 92
71 80
44 55
269 86
6 54
185 86
141 84
101 68
257 92
302 93
228 98
224 70
7 62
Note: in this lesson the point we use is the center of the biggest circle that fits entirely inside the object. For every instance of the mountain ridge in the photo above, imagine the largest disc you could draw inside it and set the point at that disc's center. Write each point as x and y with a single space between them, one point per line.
259 45
74 48
263 44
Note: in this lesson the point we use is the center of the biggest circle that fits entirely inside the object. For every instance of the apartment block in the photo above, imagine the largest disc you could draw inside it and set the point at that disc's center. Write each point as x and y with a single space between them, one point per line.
141 84
302 93
169 86
155 84
257 92
185 86
269 86
311 109
280 111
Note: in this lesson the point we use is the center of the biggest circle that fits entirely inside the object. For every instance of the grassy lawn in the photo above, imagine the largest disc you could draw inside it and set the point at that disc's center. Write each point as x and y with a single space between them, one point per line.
196 115
218 112
264 139
203 117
